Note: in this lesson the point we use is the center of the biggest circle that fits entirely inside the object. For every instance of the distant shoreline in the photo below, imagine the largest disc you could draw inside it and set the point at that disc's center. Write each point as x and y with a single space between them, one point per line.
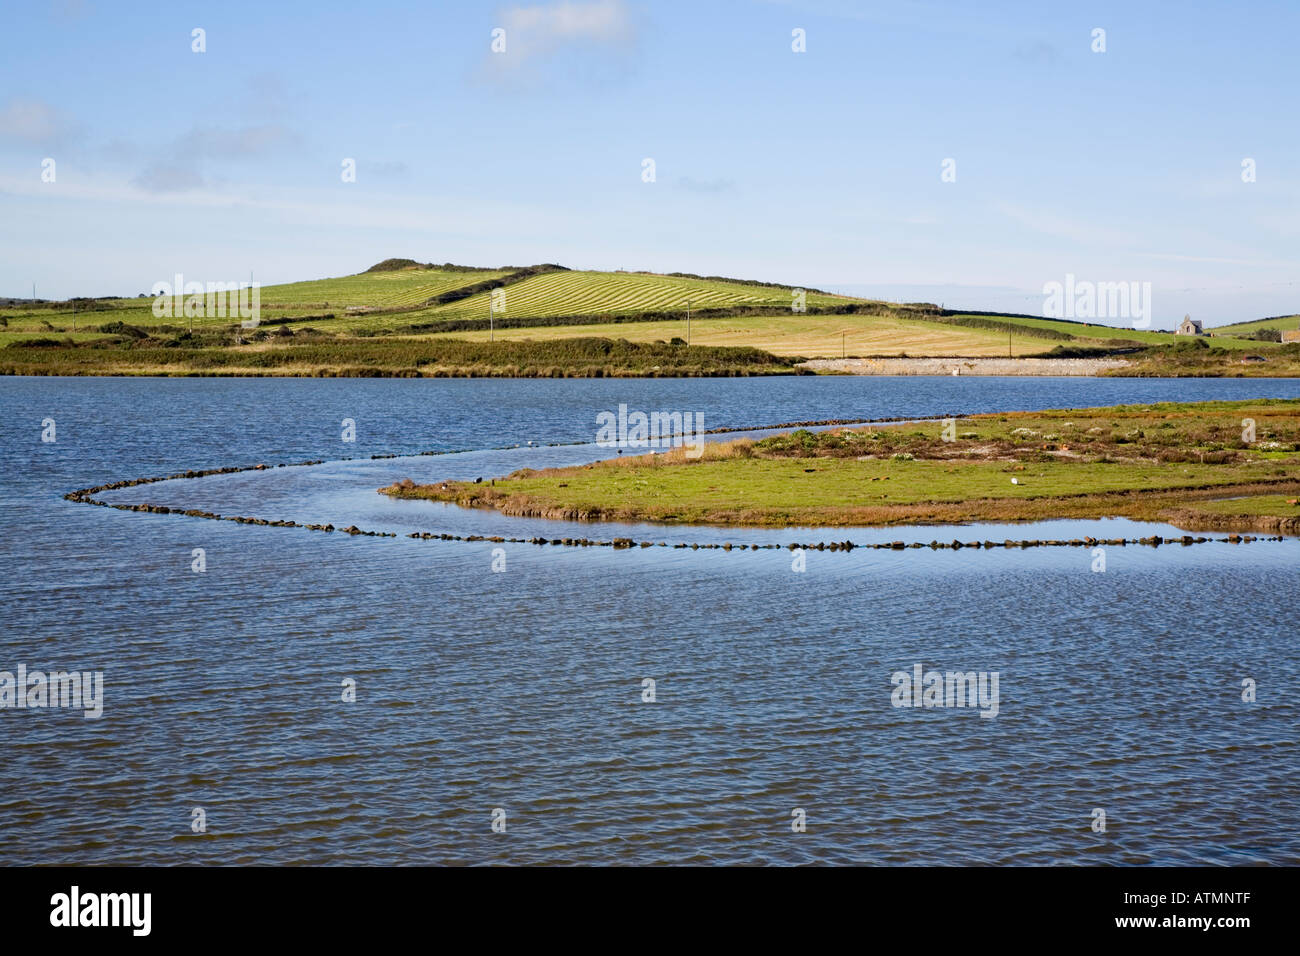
1164 365
966 366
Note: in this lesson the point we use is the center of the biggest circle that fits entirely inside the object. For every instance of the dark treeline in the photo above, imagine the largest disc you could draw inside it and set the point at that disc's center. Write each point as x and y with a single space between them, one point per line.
396 265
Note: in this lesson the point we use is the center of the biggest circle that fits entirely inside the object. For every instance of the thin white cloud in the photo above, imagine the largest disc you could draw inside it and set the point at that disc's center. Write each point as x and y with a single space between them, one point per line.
449 214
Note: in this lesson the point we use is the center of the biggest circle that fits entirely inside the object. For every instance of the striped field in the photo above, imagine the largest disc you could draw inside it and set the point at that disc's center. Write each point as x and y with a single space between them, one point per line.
375 289
806 335
621 293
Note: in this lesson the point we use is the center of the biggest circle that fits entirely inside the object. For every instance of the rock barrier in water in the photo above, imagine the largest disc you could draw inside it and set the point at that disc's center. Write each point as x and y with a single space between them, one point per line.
87 496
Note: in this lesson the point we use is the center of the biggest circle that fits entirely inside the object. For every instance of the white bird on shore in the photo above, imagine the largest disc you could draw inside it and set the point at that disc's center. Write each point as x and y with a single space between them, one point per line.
1015 481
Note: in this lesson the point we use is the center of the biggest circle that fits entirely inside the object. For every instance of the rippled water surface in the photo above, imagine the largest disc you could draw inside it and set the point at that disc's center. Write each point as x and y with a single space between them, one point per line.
522 689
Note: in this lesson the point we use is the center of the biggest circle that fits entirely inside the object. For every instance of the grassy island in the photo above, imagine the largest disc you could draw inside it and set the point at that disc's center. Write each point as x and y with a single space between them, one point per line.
1196 465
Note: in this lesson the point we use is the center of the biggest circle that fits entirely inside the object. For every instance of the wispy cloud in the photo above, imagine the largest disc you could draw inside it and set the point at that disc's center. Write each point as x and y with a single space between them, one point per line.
447 216
170 177
183 164
71 9
536 34
37 123
1037 53
268 94
381 170
706 185
245 142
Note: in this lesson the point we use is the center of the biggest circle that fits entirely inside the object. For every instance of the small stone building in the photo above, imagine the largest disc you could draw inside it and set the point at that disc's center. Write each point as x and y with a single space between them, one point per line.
1190 326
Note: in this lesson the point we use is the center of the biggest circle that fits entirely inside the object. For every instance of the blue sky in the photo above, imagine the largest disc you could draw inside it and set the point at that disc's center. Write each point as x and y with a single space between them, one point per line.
820 168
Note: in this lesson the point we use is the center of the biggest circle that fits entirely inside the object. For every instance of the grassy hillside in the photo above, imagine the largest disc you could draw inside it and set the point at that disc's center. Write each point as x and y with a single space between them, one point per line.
622 293
1250 328
414 307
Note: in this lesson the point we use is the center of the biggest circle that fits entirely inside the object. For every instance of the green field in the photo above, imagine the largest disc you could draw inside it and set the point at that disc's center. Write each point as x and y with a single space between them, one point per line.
407 287
804 335
1291 322
894 331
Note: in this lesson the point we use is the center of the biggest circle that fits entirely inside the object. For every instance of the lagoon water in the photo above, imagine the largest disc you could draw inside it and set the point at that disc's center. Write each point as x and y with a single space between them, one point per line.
522 689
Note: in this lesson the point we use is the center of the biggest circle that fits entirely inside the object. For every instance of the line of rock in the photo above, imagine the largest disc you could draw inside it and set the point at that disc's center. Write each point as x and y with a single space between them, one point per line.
87 496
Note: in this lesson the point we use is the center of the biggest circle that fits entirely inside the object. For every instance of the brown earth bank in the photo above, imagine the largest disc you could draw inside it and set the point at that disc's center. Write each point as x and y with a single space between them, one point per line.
1189 519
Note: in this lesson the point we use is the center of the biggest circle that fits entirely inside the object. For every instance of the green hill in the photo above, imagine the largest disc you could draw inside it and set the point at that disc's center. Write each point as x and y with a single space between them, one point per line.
402 299
1244 329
